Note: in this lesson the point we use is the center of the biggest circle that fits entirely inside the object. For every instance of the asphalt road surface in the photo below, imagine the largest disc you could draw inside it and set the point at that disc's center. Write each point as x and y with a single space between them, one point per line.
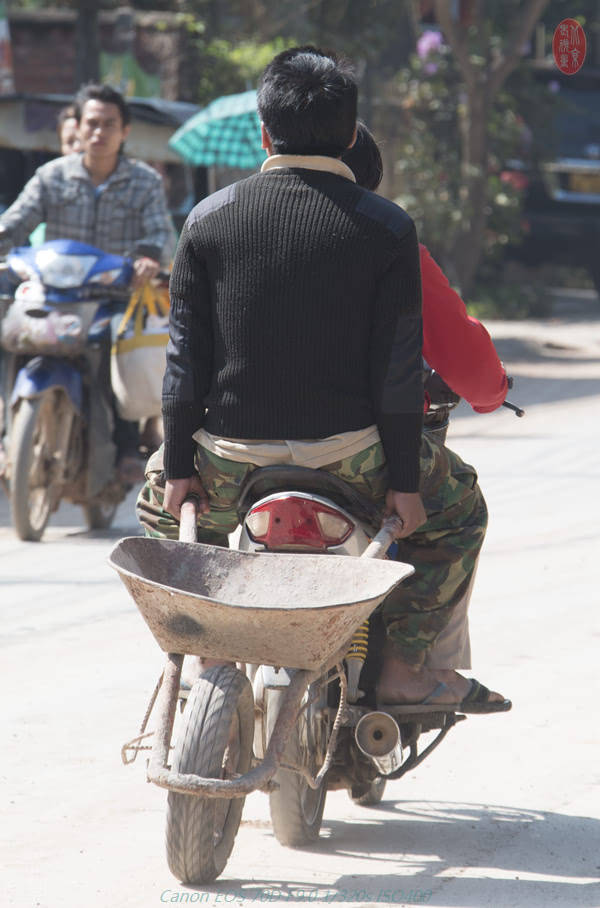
505 813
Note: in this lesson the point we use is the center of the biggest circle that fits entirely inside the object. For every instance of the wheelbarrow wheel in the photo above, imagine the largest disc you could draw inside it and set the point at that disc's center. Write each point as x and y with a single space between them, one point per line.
296 808
215 742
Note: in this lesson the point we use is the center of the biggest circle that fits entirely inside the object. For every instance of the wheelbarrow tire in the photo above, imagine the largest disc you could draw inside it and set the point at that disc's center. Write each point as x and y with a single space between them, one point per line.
296 808
215 742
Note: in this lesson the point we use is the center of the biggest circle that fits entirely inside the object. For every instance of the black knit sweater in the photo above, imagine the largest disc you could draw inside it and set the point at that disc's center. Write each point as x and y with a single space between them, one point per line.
295 314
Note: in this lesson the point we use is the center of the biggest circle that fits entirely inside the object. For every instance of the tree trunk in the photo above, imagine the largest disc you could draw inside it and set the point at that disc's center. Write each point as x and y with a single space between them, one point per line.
482 87
467 248
87 60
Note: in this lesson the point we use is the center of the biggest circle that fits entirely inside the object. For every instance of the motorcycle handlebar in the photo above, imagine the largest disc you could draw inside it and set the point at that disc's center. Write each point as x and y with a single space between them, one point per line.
510 406
101 291
516 410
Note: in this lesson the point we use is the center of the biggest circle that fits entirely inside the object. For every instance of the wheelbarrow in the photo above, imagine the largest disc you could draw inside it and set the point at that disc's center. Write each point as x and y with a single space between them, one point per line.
298 611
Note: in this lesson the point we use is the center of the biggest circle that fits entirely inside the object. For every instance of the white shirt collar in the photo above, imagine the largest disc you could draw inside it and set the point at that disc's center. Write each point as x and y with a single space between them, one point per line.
309 162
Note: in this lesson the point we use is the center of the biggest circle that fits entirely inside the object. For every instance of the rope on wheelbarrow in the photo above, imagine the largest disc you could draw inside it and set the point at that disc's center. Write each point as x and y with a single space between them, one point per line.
134 744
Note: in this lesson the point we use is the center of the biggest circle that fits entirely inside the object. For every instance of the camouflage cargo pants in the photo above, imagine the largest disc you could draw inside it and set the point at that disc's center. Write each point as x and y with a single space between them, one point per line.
443 551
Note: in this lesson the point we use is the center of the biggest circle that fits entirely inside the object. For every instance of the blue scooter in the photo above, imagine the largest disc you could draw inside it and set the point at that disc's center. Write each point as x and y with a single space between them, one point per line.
56 332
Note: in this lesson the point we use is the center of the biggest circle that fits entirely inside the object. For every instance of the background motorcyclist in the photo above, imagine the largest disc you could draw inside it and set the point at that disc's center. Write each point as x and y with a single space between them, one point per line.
461 352
103 198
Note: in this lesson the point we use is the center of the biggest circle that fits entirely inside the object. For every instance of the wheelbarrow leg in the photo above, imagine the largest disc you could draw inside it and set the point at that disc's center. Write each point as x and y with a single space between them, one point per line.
166 706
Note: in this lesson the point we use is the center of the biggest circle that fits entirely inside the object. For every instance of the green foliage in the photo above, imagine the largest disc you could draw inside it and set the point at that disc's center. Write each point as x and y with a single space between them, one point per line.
250 58
430 183
431 187
510 300
226 68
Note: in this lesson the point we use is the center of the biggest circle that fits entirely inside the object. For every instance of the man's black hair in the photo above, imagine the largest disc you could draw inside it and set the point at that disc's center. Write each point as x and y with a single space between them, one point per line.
105 93
307 102
364 158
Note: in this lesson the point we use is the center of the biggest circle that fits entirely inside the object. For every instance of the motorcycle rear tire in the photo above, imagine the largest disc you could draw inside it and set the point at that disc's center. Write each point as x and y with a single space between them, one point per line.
372 795
296 808
215 742
37 427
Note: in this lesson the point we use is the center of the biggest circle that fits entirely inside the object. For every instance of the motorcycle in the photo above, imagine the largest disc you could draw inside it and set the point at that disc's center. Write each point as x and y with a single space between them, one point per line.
286 711
59 411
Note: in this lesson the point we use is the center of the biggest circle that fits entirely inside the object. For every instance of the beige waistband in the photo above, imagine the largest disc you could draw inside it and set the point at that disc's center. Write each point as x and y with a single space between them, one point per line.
304 453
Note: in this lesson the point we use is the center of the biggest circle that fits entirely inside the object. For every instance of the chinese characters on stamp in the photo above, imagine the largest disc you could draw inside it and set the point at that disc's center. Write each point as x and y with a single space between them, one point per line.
569 46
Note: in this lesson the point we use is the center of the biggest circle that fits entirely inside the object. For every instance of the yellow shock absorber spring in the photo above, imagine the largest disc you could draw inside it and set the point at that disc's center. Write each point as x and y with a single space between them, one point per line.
355 657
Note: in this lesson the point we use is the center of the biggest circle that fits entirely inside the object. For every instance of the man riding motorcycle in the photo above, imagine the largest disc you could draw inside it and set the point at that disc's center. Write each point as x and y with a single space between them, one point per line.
295 315
102 198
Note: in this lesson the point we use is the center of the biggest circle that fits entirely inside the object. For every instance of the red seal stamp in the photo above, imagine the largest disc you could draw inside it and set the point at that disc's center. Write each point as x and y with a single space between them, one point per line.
569 46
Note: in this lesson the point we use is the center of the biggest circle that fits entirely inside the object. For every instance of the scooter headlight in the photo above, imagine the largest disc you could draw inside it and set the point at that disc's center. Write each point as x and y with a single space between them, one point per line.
62 271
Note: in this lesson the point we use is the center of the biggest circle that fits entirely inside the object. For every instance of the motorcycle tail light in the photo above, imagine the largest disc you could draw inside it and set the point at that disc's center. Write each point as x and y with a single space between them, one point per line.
258 523
295 522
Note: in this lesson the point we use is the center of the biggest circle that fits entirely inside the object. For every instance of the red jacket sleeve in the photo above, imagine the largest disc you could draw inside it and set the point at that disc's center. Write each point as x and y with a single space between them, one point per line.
456 345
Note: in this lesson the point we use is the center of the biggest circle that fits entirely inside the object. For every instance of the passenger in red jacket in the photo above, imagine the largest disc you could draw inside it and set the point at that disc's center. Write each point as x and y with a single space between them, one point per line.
456 345
458 349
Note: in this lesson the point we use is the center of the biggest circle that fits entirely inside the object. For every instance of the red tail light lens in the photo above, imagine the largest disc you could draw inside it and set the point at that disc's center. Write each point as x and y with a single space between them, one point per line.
297 522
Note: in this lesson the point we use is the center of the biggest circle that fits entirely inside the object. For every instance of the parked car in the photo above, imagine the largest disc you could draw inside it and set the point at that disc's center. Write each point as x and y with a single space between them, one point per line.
561 212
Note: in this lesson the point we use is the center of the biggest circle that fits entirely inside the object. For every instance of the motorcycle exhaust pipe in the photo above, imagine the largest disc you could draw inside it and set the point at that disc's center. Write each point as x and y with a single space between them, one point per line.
378 738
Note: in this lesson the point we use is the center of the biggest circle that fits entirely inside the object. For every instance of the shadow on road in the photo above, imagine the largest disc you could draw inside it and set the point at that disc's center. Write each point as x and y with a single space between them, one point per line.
530 349
520 857
114 532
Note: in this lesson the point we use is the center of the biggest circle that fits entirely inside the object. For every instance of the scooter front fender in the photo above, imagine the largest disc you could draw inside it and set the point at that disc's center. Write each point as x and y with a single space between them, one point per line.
45 372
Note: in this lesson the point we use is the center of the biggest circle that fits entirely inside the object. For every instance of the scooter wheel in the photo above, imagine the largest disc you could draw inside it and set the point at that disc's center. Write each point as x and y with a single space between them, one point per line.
38 431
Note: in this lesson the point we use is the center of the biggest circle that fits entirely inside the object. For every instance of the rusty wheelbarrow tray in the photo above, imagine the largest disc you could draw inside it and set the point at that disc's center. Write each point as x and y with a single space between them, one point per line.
296 610
267 609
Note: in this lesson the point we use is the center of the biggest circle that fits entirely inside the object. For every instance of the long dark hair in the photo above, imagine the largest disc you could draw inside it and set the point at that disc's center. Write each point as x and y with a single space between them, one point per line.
364 158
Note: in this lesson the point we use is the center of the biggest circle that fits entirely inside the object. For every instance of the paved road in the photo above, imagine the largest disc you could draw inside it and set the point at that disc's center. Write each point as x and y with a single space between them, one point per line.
504 814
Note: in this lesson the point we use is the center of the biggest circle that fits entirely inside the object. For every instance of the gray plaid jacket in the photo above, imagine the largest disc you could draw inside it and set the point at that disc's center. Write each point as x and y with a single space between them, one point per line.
129 217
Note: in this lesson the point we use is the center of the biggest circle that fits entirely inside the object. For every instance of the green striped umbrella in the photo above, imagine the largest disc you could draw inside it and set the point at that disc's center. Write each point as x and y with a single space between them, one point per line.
224 134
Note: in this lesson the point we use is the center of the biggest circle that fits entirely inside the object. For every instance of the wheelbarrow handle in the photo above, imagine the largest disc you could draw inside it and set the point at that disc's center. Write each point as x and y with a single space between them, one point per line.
384 538
187 519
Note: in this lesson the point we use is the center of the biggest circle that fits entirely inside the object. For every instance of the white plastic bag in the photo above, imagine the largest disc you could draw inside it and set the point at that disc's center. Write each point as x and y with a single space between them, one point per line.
137 362
30 326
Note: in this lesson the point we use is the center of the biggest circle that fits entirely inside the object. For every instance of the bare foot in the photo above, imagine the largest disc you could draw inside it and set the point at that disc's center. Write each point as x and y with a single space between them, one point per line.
402 683
460 686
